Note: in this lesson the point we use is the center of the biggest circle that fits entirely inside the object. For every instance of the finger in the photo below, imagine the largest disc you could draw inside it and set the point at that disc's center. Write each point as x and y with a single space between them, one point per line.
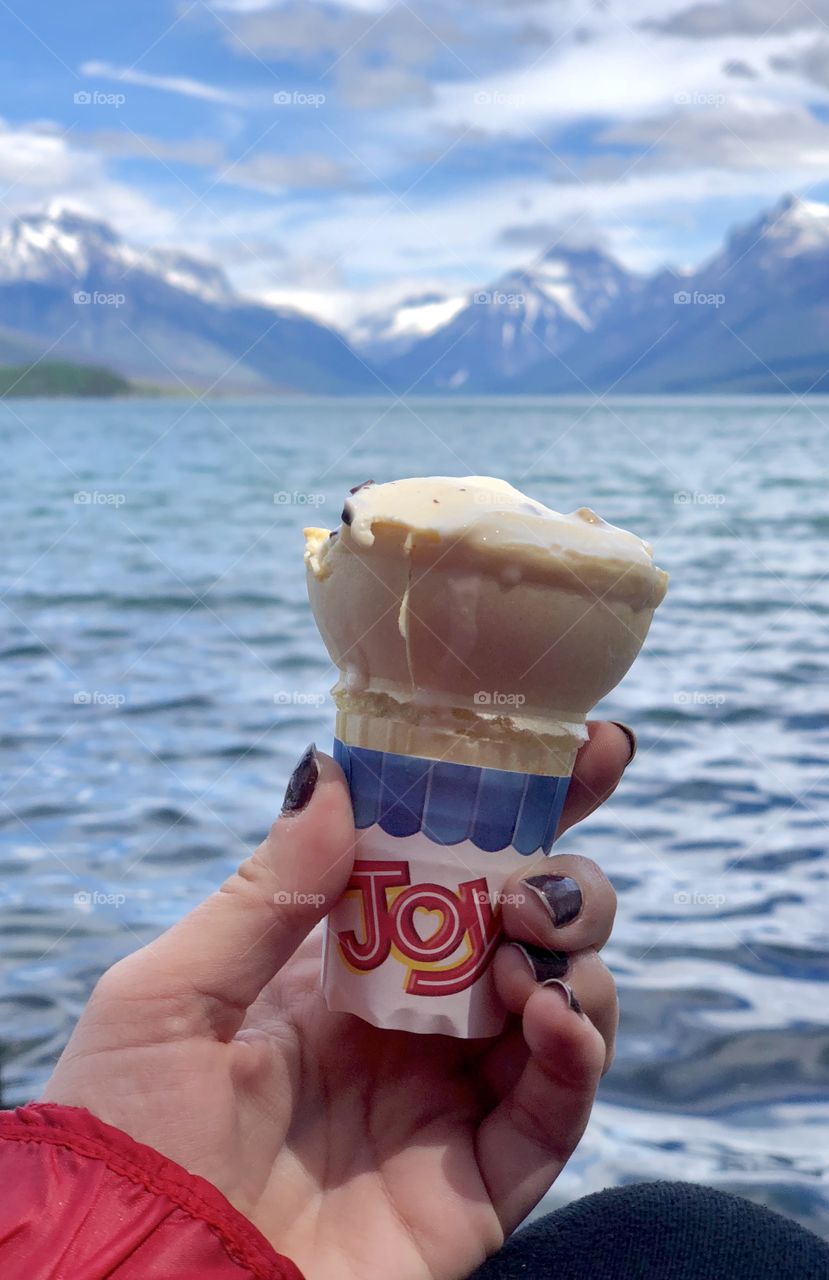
599 766
213 963
564 902
523 1144
520 969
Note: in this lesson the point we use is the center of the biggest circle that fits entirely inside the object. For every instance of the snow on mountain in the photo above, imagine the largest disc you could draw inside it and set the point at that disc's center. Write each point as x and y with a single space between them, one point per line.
496 334
63 244
70 284
793 227
181 271
754 317
51 246
392 332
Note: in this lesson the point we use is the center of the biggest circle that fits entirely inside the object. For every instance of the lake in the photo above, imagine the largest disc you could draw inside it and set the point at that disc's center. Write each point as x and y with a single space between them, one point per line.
160 672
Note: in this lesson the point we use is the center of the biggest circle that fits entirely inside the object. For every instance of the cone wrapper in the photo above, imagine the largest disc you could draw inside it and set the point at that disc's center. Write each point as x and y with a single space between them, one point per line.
410 943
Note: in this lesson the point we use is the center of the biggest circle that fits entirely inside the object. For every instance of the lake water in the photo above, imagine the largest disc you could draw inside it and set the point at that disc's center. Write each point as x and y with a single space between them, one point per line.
160 672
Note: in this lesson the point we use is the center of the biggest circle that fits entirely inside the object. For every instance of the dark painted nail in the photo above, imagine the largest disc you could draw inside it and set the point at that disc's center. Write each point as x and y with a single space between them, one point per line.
631 736
560 895
302 781
545 965
568 993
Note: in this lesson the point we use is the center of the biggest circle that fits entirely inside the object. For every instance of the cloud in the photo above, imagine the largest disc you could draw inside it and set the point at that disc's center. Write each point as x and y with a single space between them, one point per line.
387 55
739 70
233 252
265 170
812 62
337 31
741 17
181 85
256 6
620 76
375 60
270 171
363 87
39 164
727 136
549 234
127 143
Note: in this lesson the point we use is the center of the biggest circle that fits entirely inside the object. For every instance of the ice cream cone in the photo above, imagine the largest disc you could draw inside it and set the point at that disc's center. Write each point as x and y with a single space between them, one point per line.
473 629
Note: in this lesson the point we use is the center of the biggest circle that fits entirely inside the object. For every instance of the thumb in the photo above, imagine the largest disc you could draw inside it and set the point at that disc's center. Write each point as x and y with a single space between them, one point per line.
214 962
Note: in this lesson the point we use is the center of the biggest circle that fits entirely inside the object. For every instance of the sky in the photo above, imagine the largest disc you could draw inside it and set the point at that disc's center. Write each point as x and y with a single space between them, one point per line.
340 157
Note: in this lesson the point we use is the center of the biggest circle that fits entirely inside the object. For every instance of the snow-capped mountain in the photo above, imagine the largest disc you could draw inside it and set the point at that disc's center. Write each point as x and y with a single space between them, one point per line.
755 317
527 317
383 334
792 228
62 245
72 285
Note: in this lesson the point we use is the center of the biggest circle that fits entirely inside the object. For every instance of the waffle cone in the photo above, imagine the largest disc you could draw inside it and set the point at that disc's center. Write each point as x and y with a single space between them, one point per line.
547 749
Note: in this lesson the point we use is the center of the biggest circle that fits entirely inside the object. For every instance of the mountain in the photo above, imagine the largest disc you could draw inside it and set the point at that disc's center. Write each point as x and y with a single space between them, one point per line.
72 288
382 335
754 318
528 318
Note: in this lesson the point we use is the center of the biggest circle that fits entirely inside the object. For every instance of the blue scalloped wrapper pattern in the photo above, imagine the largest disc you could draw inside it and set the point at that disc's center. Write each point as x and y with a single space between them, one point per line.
493 808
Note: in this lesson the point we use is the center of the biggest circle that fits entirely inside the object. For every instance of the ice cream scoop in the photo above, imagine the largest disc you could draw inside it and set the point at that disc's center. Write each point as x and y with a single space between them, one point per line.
471 622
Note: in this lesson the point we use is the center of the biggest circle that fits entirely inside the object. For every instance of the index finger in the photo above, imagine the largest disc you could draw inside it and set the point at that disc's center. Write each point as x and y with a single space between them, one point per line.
598 770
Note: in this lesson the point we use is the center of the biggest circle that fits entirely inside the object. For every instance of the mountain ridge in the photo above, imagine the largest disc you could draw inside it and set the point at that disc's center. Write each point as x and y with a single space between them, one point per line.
754 317
73 286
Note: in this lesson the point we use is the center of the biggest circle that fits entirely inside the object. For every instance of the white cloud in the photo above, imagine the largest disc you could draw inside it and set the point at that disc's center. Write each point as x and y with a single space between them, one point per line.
182 85
257 6
750 17
642 219
38 164
345 308
745 134
269 171
621 76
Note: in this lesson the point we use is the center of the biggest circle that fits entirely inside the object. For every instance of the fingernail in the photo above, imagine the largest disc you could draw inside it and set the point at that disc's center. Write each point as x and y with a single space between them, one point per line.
631 737
302 781
568 993
546 966
560 895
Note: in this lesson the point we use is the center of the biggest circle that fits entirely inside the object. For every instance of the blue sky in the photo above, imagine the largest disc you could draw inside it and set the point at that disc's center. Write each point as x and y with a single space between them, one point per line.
341 156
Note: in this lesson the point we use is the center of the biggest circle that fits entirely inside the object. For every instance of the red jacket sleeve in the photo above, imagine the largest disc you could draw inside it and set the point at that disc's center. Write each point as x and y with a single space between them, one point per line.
80 1200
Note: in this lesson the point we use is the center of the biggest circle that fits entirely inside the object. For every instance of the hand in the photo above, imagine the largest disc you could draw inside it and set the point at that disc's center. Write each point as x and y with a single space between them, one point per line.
355 1151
